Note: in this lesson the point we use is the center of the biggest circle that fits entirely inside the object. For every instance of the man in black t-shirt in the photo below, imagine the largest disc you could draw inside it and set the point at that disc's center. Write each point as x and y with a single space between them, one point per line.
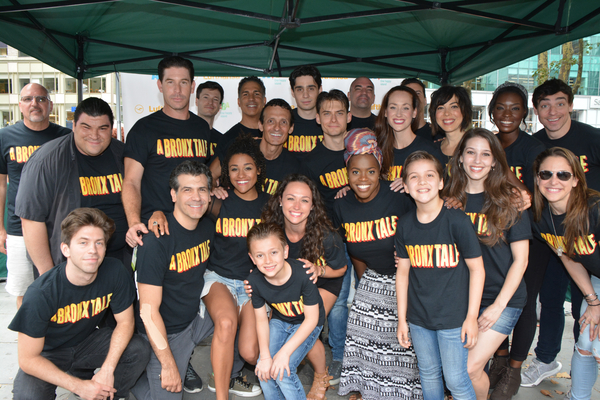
158 143
305 82
82 169
362 97
170 277
17 144
276 122
209 98
424 129
251 100
59 342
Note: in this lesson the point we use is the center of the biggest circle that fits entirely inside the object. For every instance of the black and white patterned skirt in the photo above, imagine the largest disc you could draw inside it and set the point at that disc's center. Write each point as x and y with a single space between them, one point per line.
374 362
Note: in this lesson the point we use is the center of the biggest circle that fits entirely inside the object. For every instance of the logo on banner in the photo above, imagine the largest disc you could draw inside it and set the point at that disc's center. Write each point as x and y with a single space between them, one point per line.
139 108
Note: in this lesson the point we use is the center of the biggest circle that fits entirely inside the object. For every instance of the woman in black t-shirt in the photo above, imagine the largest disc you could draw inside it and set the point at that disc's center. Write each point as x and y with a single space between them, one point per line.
565 216
451 112
298 208
480 182
374 365
229 264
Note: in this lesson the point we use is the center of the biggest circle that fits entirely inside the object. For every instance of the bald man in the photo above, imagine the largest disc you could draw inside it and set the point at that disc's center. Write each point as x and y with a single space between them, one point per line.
17 143
362 97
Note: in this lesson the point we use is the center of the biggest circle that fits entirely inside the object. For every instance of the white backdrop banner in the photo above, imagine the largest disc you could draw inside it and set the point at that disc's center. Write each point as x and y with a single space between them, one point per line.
141 96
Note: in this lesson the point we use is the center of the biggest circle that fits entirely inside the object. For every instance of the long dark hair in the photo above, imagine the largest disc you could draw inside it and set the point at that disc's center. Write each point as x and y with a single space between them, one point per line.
385 133
317 224
499 193
581 198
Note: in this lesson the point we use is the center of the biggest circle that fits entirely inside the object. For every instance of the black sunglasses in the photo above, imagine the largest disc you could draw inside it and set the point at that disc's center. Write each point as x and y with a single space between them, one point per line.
562 175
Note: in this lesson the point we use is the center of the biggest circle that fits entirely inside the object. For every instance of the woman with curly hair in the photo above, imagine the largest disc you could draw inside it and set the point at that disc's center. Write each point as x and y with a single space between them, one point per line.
479 181
566 216
229 264
298 208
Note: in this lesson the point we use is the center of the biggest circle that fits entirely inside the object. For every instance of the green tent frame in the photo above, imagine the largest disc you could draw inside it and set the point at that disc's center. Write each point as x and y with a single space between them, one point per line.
439 41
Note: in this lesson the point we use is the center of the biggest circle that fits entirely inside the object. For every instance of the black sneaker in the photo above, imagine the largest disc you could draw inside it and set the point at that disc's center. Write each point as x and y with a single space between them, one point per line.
193 383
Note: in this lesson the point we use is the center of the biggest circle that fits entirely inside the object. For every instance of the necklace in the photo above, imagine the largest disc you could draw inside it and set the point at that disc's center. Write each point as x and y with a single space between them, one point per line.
560 249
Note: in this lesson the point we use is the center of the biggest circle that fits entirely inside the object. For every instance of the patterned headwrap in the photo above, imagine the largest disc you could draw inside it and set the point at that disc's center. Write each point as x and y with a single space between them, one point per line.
362 141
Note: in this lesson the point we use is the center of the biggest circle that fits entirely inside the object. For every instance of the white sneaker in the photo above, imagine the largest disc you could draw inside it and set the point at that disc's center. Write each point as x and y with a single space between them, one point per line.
538 371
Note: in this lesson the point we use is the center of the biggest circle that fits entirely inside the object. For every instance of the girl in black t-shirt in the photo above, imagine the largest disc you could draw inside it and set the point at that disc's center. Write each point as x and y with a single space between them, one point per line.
480 182
223 293
374 364
566 216
298 208
297 312
451 112
439 282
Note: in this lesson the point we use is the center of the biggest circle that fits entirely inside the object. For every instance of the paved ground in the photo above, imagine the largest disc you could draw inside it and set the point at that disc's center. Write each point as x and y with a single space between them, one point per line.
201 361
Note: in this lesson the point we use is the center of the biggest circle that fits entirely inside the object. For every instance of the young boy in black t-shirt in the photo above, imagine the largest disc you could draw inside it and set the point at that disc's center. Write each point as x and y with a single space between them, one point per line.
297 312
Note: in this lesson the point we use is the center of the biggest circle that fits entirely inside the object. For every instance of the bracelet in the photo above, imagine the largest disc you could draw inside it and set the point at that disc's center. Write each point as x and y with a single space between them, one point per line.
323 270
590 295
594 299
593 305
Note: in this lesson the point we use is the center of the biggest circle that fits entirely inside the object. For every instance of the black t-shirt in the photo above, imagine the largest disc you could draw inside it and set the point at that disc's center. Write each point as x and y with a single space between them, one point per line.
334 254
288 300
17 143
100 183
586 248
65 314
369 228
357 122
236 217
400 155
445 160
229 137
438 289
305 136
177 263
278 169
520 156
584 141
327 169
426 133
498 259
160 143
215 137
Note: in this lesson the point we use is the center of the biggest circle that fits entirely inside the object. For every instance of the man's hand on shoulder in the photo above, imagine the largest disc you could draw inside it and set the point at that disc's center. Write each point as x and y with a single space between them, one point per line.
132 237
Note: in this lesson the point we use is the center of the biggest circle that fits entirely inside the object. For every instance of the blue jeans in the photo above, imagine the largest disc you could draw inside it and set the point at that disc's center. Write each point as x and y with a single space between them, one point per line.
338 316
290 387
81 362
584 368
506 321
437 350
552 316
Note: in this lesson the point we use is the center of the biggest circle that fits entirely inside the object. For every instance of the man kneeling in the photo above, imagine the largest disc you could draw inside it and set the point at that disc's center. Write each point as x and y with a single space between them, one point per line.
59 340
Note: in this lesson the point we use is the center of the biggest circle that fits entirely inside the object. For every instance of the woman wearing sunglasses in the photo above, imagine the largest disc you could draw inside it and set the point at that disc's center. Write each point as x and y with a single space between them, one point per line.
566 216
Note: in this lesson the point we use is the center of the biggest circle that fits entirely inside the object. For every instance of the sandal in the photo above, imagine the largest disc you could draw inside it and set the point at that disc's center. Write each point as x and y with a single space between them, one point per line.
319 386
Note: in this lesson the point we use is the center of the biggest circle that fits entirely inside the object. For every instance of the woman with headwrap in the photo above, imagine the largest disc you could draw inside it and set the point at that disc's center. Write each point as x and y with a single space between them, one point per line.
375 365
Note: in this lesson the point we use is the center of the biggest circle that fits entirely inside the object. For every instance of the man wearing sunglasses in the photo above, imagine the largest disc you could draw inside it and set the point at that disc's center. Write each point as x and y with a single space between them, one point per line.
17 143
553 104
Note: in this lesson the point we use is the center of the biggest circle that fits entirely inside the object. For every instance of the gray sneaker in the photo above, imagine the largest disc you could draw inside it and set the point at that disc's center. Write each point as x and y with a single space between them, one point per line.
538 371
335 370
239 387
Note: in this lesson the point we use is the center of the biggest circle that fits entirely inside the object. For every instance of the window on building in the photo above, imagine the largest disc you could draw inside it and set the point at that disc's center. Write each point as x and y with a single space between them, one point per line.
51 84
4 85
70 85
23 82
97 85
478 116
3 49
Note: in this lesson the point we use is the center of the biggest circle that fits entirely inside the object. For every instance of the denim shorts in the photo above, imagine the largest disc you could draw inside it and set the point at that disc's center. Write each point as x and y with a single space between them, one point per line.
507 321
236 287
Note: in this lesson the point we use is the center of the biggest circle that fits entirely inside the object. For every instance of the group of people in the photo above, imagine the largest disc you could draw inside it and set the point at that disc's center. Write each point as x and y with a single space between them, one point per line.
253 237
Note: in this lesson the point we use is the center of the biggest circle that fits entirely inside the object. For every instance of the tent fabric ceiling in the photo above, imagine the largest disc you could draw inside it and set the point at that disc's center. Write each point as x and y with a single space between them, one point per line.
439 41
